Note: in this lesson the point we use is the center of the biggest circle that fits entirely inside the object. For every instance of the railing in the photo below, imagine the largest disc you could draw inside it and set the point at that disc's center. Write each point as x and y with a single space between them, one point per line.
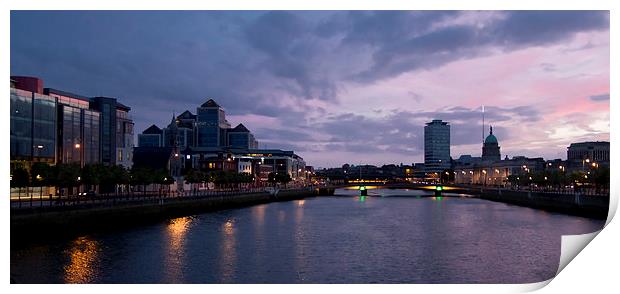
32 201
113 199
589 191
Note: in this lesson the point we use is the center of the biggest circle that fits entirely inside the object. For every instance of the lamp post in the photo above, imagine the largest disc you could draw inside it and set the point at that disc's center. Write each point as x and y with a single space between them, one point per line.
78 147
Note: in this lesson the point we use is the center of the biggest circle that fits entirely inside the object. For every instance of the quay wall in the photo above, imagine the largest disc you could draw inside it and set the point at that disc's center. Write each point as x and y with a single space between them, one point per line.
592 206
575 204
89 217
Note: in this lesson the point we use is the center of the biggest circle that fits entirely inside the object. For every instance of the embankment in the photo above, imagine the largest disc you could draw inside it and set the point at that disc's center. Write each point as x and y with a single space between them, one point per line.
58 220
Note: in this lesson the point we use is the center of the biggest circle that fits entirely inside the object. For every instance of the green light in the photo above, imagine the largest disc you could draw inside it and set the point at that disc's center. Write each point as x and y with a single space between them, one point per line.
439 188
362 198
362 188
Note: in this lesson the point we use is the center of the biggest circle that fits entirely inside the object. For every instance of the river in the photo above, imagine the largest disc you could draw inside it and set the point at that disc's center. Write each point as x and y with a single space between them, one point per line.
392 236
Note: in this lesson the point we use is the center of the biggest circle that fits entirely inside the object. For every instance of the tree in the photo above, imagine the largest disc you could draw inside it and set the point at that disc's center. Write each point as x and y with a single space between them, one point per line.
91 175
119 176
513 180
271 178
67 175
600 177
194 176
162 177
19 178
42 174
141 176
283 178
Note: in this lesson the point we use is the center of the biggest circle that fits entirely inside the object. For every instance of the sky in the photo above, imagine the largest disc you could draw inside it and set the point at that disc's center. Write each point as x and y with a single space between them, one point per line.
340 86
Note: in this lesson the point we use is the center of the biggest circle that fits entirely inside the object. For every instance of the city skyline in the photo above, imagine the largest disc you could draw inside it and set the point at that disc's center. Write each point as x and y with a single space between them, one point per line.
337 87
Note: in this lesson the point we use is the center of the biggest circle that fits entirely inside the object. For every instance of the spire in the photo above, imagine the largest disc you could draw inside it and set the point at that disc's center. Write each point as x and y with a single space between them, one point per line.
491 127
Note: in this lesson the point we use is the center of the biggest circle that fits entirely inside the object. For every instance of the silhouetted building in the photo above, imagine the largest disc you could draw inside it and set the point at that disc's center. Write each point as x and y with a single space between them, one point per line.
490 148
151 137
437 146
585 155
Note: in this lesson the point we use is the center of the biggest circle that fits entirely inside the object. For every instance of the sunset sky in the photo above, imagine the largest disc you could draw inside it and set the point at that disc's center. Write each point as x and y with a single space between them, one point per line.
336 86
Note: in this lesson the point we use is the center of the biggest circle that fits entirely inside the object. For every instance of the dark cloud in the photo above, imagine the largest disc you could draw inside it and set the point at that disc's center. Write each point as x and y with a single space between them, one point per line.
515 30
271 63
401 132
602 97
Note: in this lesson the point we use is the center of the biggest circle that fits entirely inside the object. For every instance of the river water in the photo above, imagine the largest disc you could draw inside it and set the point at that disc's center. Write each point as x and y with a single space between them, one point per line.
392 236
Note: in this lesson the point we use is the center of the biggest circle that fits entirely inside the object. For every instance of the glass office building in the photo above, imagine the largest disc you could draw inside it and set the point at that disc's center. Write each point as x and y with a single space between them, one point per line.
437 146
60 127
33 125
211 125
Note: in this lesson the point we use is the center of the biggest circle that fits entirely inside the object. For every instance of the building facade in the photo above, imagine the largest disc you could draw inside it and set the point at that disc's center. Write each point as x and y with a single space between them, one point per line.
206 141
55 126
496 173
437 146
586 155
33 126
151 137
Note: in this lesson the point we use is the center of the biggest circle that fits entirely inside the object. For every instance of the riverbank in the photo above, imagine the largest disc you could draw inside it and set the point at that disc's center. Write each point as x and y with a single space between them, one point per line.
58 220
591 206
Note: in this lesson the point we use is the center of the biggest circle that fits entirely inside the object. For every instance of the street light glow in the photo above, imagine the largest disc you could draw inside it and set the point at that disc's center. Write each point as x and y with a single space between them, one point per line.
77 145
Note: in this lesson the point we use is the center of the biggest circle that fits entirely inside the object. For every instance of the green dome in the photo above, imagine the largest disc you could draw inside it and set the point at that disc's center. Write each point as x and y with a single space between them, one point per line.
490 139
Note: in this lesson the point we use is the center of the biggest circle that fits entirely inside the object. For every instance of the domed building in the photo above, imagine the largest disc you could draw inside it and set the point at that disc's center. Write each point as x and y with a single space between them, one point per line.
490 148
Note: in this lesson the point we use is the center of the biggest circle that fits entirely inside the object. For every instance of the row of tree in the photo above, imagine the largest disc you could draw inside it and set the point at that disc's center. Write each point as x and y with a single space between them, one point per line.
95 177
106 179
598 178
231 179
223 179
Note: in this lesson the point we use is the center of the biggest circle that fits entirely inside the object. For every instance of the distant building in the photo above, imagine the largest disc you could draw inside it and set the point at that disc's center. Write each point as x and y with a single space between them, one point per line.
490 148
437 146
211 125
466 161
496 173
151 137
241 137
585 155
206 141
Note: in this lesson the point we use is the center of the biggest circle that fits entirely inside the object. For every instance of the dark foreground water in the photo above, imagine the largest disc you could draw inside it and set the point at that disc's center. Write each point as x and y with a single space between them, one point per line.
345 239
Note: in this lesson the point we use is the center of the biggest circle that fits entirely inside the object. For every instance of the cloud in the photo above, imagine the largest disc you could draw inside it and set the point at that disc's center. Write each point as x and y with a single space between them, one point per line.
298 69
515 30
601 97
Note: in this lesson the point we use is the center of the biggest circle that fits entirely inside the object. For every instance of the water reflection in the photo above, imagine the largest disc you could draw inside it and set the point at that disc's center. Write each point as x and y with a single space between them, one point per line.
176 231
83 261
299 239
259 214
228 252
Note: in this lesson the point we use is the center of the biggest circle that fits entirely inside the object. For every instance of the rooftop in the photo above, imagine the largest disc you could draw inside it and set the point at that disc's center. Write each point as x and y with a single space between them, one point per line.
210 103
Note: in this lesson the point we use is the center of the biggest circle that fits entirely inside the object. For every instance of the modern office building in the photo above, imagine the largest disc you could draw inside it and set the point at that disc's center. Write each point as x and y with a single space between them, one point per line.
33 122
78 130
151 137
436 146
241 137
490 148
207 142
62 127
211 125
